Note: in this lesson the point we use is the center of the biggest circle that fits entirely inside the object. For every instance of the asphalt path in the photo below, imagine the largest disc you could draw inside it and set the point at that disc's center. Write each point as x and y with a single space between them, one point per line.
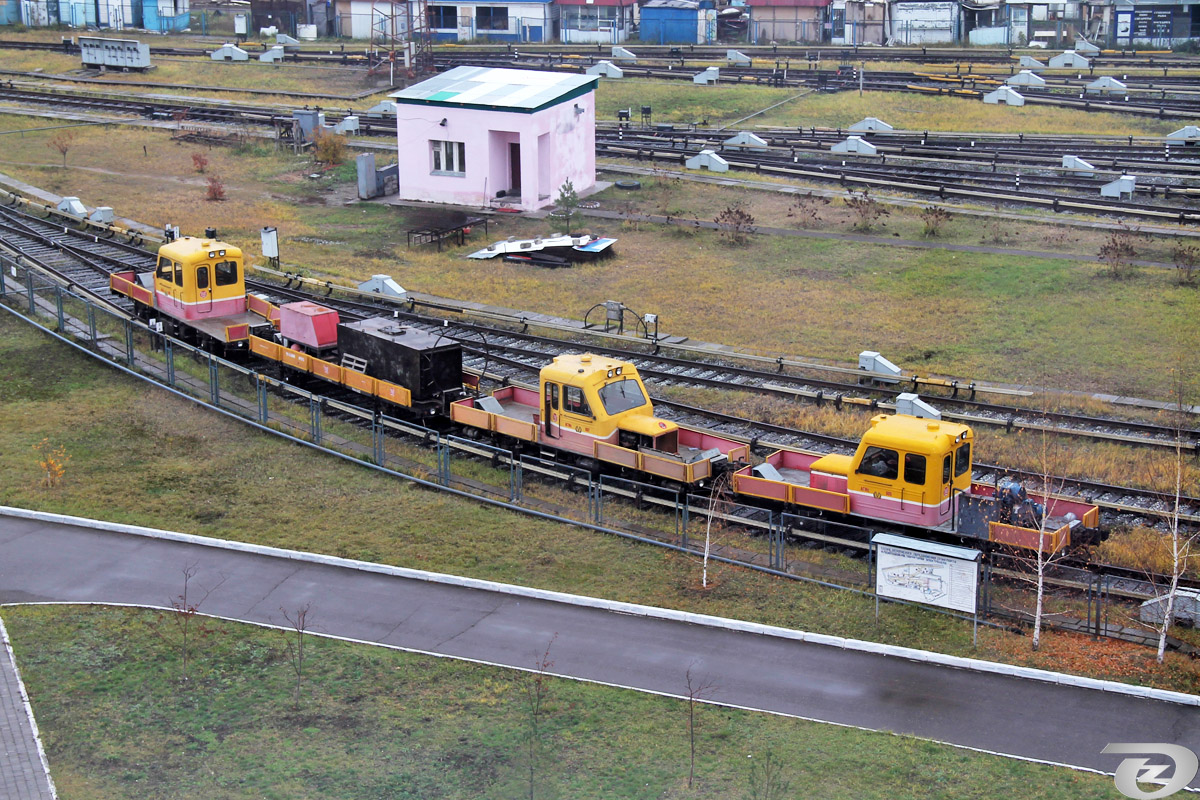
52 562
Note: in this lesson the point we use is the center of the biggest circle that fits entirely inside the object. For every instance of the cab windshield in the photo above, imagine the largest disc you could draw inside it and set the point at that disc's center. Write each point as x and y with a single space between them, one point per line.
622 395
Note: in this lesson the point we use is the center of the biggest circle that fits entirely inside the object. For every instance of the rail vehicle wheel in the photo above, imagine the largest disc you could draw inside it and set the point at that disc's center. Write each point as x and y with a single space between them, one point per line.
628 185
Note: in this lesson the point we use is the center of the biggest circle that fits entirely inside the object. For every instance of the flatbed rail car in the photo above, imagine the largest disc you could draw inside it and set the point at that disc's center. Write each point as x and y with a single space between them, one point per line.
198 291
597 409
916 471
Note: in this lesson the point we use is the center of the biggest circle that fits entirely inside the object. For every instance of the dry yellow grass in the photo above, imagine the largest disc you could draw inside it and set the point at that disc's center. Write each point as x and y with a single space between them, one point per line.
1143 549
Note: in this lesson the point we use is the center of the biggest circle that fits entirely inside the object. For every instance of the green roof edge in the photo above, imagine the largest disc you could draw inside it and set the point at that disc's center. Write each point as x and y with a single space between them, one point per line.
571 95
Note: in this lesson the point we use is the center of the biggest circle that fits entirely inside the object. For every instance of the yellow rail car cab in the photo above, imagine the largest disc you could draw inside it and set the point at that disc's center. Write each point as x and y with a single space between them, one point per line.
910 470
200 281
599 407
587 398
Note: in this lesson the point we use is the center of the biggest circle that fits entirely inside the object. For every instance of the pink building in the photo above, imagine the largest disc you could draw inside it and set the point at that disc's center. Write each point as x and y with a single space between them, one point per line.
478 136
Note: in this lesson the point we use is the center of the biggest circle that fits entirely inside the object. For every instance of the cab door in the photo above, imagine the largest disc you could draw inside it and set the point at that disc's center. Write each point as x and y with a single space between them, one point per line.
550 409
947 487
204 293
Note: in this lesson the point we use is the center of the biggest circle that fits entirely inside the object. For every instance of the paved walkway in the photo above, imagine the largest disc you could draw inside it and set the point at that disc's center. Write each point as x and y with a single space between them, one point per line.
1008 710
24 773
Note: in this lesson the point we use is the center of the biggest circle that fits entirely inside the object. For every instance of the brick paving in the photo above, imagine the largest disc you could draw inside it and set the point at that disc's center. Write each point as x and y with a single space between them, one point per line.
24 774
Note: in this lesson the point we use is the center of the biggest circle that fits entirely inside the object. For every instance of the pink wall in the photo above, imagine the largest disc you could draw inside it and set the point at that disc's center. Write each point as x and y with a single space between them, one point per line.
555 144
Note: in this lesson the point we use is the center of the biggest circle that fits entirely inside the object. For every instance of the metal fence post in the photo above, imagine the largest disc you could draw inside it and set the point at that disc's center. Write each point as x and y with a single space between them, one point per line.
169 354
58 307
91 309
261 386
130 356
377 441
29 279
519 477
314 413
443 456
681 517
3 286
777 558
214 390
600 503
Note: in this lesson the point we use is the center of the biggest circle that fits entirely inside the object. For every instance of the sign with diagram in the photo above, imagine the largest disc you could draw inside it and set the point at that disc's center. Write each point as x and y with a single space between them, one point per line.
926 572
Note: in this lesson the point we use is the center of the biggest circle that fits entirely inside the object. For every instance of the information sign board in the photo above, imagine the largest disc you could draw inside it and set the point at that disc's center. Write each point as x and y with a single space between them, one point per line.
926 572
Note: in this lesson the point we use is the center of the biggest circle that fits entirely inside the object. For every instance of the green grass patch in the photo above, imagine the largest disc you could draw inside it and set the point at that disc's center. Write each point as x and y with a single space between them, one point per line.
376 723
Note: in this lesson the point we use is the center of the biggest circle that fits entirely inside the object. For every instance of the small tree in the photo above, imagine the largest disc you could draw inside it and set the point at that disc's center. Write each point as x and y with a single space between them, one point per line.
697 691
1181 542
566 202
735 224
216 189
53 462
295 645
186 619
1186 258
1118 252
535 688
329 148
199 162
934 218
807 207
62 141
766 778
867 210
718 501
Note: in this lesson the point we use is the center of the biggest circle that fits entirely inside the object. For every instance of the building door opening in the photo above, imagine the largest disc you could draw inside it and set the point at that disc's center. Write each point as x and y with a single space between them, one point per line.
514 168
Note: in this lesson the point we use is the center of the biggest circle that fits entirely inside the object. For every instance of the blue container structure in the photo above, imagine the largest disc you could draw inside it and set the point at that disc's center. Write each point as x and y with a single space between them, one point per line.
670 21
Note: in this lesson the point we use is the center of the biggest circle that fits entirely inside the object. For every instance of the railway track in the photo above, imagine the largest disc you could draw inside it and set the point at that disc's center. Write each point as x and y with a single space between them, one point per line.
86 259
983 169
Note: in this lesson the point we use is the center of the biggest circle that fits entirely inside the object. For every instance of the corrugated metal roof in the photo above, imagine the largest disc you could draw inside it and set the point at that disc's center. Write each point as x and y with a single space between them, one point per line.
496 88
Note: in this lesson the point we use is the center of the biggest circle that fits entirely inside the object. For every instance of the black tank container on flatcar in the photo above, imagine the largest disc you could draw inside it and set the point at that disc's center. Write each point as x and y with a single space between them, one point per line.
430 366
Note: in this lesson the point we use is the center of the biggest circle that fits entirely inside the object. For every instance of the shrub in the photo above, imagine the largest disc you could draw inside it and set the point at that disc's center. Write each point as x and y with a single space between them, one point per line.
934 218
807 207
216 189
1118 253
867 210
1186 258
735 224
199 162
329 148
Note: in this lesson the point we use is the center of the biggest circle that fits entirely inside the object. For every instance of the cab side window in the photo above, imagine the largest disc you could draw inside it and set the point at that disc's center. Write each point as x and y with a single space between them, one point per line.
914 469
226 272
946 462
202 277
962 459
574 401
552 395
178 273
880 463
164 269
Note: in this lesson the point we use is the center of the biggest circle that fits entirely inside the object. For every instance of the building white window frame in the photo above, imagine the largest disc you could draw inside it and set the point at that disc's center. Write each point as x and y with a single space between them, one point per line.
447 158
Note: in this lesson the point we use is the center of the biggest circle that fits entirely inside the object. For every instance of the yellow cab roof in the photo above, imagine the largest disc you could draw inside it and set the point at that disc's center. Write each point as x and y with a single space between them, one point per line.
586 369
915 434
193 247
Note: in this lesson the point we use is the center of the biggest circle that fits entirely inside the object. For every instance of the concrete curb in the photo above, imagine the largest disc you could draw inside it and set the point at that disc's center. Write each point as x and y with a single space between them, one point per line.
894 651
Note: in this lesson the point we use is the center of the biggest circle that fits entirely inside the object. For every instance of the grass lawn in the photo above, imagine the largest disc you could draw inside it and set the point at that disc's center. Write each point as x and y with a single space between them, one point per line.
118 722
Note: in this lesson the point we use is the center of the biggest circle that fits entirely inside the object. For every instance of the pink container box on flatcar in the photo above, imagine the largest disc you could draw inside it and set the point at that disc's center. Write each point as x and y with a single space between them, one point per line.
309 324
